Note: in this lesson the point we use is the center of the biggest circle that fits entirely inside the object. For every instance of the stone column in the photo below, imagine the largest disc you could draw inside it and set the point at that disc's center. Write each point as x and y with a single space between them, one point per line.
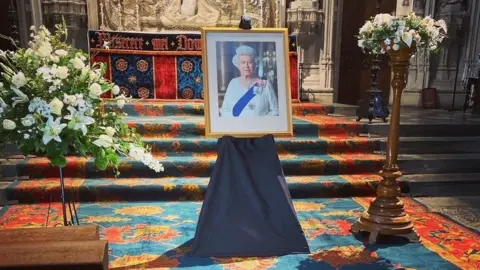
338 18
325 94
443 65
281 13
304 18
37 18
316 58
23 23
93 15
75 14
310 69
472 41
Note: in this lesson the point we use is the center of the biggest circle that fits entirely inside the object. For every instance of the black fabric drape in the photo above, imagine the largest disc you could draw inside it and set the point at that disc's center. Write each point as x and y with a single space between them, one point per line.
247 210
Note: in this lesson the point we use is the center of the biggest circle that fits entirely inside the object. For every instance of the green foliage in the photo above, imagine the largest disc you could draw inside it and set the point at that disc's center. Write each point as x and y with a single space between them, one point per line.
50 105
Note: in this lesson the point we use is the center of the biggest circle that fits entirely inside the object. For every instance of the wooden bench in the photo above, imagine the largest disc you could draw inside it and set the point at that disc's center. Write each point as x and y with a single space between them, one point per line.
72 247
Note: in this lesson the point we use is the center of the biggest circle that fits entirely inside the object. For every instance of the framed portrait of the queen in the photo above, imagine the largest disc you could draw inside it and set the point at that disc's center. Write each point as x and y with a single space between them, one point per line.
246 82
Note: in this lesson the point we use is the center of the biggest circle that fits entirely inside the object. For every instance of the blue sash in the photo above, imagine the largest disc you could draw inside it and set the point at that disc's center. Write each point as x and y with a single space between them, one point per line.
243 101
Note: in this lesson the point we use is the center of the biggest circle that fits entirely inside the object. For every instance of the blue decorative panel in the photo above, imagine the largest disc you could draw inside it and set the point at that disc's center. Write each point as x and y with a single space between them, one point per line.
134 75
189 77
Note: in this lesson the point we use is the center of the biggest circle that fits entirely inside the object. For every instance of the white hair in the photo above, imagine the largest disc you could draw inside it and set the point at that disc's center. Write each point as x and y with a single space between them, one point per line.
243 50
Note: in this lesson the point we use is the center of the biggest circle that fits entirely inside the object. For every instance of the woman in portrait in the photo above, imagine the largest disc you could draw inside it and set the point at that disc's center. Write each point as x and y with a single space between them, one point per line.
248 94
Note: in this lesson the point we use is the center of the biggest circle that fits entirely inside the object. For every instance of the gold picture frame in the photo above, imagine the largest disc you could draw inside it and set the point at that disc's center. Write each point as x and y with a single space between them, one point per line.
218 69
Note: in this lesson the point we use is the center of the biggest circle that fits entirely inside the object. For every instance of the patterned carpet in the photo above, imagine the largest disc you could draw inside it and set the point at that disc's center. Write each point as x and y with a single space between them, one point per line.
149 219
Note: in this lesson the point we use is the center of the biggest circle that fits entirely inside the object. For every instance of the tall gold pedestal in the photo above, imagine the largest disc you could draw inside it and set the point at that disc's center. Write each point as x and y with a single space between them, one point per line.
386 214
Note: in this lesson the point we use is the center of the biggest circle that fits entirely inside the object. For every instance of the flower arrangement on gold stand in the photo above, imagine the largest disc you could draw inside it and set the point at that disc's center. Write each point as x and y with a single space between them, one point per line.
386 32
399 37
50 105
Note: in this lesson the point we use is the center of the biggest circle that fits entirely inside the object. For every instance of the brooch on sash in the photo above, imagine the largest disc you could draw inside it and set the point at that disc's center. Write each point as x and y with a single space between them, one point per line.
257 90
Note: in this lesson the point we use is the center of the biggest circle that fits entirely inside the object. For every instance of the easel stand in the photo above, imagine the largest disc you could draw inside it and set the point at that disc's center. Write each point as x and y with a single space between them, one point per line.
247 210
71 206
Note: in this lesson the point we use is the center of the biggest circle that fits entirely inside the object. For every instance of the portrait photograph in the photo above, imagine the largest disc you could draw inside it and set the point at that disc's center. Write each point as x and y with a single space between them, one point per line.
247 86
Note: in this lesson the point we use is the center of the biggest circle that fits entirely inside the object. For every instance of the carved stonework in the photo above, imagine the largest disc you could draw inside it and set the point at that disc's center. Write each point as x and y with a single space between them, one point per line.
182 15
419 7
75 14
440 70
444 63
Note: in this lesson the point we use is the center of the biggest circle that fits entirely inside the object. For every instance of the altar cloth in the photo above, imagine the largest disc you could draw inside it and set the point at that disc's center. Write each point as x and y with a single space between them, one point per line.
247 210
161 66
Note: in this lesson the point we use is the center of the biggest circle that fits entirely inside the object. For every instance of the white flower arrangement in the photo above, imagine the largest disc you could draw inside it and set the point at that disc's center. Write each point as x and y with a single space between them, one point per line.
50 105
386 32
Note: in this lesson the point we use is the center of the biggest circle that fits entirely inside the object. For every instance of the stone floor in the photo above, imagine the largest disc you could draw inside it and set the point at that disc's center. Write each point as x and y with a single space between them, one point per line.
463 209
414 115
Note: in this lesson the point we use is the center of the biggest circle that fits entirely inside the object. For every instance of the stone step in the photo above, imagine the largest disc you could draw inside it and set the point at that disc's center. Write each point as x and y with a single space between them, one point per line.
3 192
449 184
436 145
439 163
427 130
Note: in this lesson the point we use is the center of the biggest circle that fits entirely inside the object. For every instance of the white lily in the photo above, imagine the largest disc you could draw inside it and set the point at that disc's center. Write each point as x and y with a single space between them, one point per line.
52 130
95 90
20 98
19 80
110 131
407 38
103 141
78 121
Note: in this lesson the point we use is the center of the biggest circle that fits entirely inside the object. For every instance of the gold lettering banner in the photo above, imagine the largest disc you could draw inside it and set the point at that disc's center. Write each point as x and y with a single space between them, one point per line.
131 42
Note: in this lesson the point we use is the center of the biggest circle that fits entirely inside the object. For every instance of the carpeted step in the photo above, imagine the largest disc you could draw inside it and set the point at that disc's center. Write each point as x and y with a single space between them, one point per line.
157 235
165 108
194 126
173 189
297 146
202 165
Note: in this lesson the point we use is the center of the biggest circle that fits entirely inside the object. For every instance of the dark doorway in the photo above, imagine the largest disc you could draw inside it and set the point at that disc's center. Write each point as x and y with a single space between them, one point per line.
8 24
355 76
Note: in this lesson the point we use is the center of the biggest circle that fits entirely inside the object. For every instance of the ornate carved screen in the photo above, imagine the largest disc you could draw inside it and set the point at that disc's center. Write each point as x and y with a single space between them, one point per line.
179 15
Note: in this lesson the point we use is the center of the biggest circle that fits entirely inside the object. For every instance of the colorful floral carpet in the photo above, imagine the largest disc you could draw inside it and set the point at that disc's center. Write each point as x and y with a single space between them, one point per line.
157 235
149 219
